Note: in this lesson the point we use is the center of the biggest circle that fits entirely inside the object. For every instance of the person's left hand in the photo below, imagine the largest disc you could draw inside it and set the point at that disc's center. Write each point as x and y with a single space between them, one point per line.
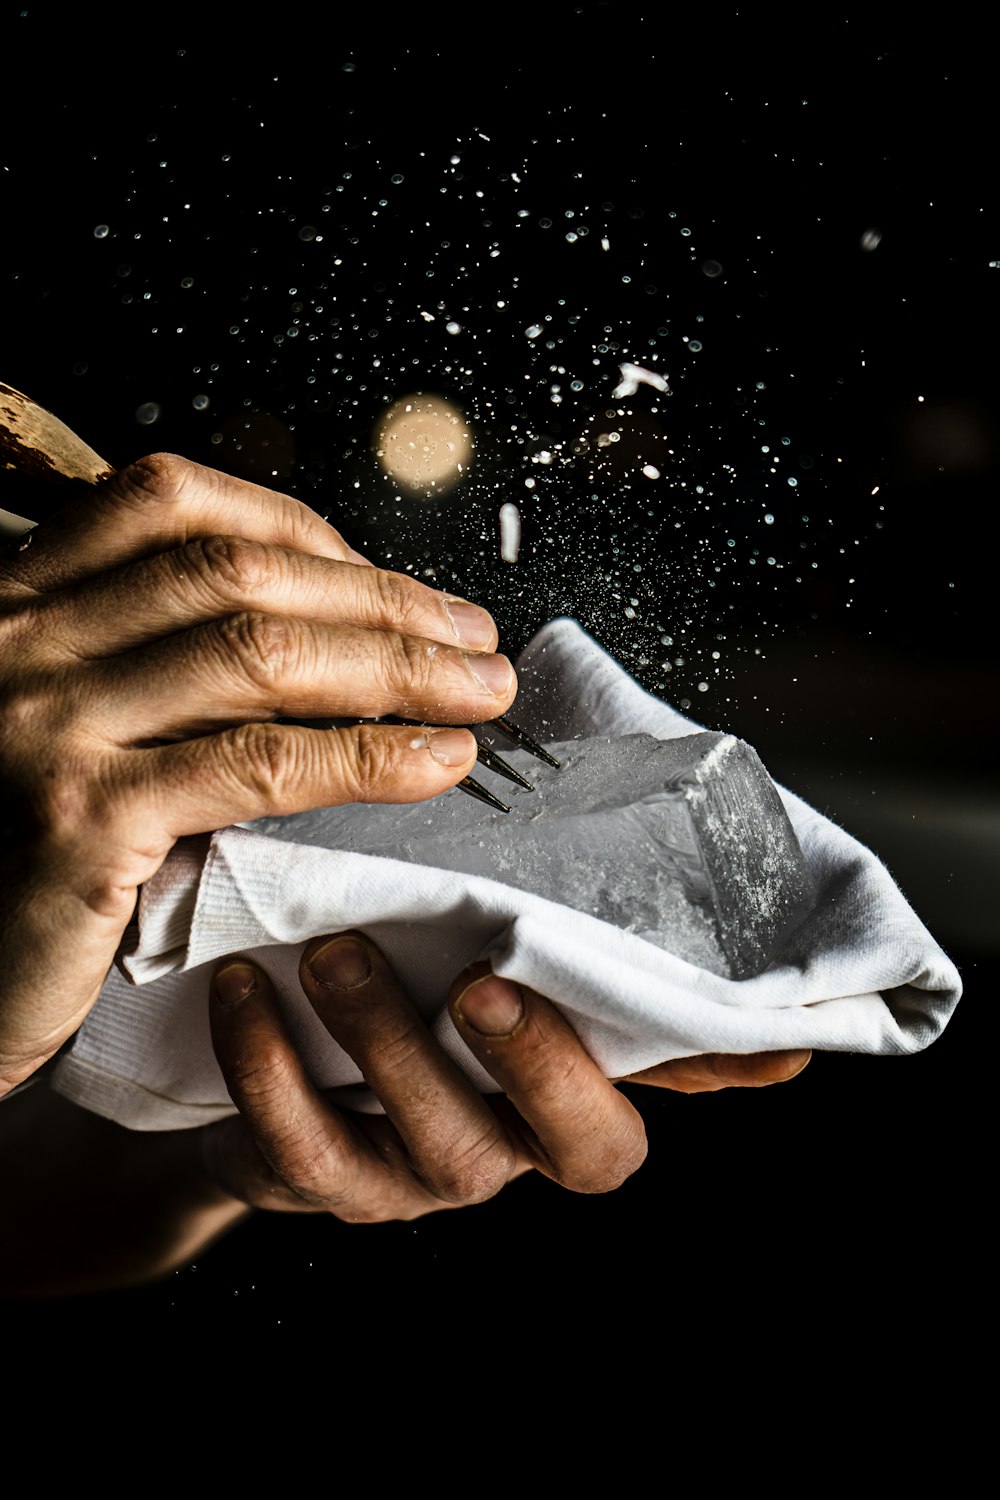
440 1144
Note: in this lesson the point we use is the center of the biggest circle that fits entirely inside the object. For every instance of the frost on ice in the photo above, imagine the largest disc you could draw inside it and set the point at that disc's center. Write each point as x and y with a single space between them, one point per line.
632 377
683 843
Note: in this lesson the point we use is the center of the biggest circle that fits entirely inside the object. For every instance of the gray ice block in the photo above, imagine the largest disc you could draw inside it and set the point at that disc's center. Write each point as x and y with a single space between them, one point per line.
684 842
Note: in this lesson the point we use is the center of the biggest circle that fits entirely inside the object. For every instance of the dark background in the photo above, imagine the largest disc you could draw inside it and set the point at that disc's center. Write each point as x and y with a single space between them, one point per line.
814 206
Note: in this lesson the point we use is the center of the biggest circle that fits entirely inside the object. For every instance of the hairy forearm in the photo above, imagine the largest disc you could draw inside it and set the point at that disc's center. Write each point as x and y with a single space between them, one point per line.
91 1207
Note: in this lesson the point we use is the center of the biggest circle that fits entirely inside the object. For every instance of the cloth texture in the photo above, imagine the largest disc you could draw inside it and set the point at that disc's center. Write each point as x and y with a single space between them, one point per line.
861 974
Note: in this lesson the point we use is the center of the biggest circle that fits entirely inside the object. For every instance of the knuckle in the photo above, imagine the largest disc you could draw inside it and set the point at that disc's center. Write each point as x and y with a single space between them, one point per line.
266 647
18 630
229 565
264 757
396 594
475 1170
409 665
23 713
555 1073
157 477
261 1077
64 806
367 764
620 1153
310 1163
399 1045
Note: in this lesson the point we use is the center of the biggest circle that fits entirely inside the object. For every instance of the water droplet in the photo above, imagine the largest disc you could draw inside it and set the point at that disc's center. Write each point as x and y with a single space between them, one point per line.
397 178
453 328
769 519
695 346
307 233
651 471
792 481
711 268
534 331
199 402
101 231
148 413
187 281
871 239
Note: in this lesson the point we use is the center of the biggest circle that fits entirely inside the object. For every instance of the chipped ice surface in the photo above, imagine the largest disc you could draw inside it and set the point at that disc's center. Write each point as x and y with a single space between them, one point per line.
632 376
684 843
510 532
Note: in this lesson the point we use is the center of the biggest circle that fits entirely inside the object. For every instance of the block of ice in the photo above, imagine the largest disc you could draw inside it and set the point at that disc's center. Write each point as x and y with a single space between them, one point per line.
684 842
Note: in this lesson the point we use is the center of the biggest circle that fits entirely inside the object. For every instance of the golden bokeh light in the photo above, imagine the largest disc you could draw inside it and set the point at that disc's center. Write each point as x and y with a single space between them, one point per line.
424 444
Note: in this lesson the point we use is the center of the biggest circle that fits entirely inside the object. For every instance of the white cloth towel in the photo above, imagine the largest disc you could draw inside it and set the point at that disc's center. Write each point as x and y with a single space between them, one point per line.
865 974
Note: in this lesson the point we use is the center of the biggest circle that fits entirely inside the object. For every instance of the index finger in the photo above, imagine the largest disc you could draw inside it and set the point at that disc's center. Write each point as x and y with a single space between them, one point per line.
161 502
580 1130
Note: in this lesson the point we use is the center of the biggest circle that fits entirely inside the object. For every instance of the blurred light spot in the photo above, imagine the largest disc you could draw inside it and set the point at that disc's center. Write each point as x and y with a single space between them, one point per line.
424 443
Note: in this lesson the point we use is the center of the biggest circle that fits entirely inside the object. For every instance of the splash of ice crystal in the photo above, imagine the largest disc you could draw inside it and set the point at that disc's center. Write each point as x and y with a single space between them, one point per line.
510 532
632 377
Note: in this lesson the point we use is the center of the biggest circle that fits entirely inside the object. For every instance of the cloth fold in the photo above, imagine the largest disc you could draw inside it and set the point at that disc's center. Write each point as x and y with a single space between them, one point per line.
862 973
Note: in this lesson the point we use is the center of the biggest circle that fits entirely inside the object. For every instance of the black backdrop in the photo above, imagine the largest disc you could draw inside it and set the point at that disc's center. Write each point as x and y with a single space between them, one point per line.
242 248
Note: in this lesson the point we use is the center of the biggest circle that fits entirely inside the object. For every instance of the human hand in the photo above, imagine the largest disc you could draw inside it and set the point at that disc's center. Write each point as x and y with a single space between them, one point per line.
440 1144
150 634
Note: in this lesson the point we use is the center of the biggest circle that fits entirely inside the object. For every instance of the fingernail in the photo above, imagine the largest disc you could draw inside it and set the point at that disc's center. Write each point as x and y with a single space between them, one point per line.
342 964
472 626
451 747
493 673
233 983
491 1005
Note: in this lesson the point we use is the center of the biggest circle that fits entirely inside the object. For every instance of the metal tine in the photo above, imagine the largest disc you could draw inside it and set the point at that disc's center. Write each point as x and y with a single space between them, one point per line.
494 762
481 794
524 740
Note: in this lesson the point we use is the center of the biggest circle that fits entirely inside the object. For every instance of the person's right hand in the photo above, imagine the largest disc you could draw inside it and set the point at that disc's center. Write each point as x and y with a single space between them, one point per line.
150 635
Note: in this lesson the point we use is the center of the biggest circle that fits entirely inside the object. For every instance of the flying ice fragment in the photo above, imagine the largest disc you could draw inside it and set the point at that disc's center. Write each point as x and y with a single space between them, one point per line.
632 377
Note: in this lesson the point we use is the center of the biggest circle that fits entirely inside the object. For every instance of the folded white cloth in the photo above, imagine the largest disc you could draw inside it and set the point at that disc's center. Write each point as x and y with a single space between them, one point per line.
865 974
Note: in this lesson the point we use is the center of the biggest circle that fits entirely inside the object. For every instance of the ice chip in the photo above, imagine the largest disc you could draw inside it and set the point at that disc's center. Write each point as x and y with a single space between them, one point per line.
683 842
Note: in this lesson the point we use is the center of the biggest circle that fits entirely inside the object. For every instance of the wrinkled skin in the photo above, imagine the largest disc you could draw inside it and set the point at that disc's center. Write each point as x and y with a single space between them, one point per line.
152 636
440 1143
